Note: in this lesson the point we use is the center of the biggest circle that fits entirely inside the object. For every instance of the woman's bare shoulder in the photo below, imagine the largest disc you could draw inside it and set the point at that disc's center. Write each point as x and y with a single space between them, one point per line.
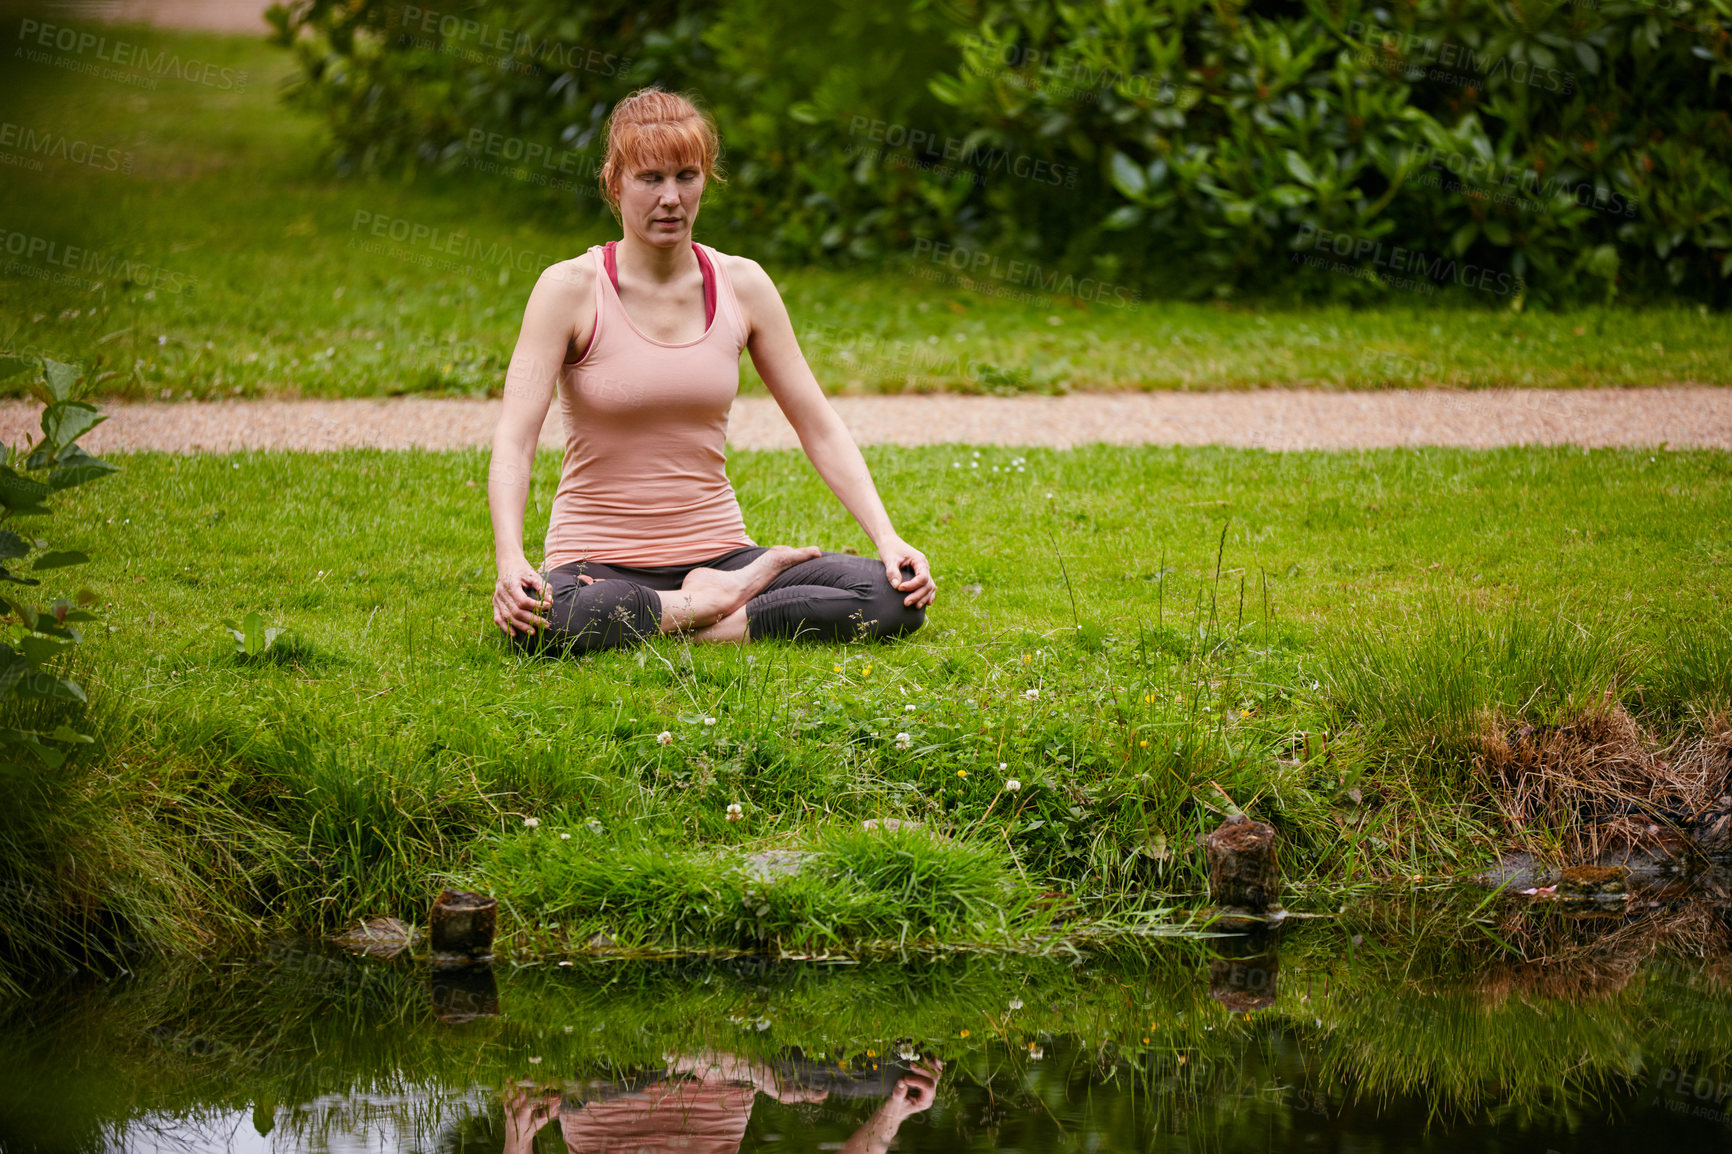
753 288
573 278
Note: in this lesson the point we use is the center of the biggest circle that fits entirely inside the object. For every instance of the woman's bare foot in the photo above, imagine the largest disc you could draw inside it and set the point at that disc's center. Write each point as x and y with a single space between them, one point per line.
708 595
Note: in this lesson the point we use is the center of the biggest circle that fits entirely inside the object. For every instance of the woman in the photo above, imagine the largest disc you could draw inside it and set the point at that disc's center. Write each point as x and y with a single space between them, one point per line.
642 339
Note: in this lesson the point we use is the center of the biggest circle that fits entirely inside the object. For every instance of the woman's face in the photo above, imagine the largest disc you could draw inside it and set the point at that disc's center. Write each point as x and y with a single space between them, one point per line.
658 201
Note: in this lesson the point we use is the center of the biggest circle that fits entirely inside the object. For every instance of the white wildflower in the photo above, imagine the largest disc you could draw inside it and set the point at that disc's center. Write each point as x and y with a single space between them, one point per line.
1016 1003
1031 694
709 721
735 811
531 822
1012 785
564 837
903 741
664 738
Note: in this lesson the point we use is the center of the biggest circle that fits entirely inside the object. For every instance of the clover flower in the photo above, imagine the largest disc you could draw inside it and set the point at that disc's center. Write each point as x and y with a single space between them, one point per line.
1031 694
903 741
1012 785
531 822
664 738
735 811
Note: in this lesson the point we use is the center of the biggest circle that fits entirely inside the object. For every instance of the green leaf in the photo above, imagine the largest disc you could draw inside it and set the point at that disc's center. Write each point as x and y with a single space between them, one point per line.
26 612
55 758
12 545
1124 216
65 422
12 366
18 491
59 559
253 626
12 669
74 466
7 575
38 649
61 377
1301 171
52 688
1127 176
68 734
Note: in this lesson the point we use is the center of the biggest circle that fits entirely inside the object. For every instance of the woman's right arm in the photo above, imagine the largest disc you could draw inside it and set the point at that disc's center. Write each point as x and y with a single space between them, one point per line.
558 320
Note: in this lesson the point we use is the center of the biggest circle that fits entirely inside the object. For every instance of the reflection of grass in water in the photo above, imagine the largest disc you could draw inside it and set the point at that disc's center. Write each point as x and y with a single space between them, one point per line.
1391 1019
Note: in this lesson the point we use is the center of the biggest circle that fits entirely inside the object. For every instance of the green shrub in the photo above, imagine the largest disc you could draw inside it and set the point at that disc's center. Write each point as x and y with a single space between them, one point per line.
1493 151
38 637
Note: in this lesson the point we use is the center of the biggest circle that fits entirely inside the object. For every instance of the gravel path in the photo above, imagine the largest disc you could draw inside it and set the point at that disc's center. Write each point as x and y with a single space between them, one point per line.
1270 419
200 15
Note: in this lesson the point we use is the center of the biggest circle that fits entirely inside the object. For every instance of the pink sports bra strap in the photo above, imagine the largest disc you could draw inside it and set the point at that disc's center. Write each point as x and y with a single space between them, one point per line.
611 262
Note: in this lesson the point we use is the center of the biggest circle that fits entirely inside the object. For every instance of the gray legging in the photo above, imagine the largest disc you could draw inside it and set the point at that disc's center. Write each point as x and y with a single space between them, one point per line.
832 597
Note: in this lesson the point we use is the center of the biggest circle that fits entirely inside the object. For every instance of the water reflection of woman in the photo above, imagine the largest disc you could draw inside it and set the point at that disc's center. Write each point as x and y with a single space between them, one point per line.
701 1105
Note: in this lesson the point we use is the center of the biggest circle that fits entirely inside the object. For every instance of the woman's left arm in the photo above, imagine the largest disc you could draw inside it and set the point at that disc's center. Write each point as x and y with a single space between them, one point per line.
776 354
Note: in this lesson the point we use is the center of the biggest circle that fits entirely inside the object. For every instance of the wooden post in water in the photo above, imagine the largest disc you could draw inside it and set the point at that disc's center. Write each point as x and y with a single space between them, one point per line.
462 927
1244 873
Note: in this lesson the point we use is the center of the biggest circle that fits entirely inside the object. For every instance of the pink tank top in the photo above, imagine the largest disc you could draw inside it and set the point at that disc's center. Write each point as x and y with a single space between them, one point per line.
645 479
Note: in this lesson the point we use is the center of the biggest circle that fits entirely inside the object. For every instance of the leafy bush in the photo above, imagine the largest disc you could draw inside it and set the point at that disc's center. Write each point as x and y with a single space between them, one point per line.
37 637
1344 149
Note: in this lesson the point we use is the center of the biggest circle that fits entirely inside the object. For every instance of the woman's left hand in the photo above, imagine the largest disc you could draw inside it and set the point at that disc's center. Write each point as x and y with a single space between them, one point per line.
919 590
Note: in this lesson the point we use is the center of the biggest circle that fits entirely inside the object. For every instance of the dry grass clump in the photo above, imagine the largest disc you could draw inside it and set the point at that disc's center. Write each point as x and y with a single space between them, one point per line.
1601 786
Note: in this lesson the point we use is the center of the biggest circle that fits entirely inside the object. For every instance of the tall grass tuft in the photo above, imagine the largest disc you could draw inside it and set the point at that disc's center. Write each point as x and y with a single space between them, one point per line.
1427 685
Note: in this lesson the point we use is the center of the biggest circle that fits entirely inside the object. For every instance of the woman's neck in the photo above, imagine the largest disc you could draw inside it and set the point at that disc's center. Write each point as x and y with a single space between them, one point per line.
643 261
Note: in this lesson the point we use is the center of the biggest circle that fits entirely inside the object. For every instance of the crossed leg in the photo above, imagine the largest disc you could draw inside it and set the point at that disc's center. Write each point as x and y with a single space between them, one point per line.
748 594
712 602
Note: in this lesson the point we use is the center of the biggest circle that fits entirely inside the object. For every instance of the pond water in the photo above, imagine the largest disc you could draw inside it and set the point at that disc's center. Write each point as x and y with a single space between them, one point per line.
1423 1027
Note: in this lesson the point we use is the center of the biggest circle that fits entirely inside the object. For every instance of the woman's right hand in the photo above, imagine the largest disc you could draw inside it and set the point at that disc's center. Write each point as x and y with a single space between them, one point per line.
518 597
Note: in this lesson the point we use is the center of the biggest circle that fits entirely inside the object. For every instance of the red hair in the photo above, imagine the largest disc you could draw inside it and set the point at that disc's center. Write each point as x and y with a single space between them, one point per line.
655 125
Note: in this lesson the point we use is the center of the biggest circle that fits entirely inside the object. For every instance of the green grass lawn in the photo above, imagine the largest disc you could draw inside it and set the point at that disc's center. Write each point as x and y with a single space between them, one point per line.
254 271
1134 635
